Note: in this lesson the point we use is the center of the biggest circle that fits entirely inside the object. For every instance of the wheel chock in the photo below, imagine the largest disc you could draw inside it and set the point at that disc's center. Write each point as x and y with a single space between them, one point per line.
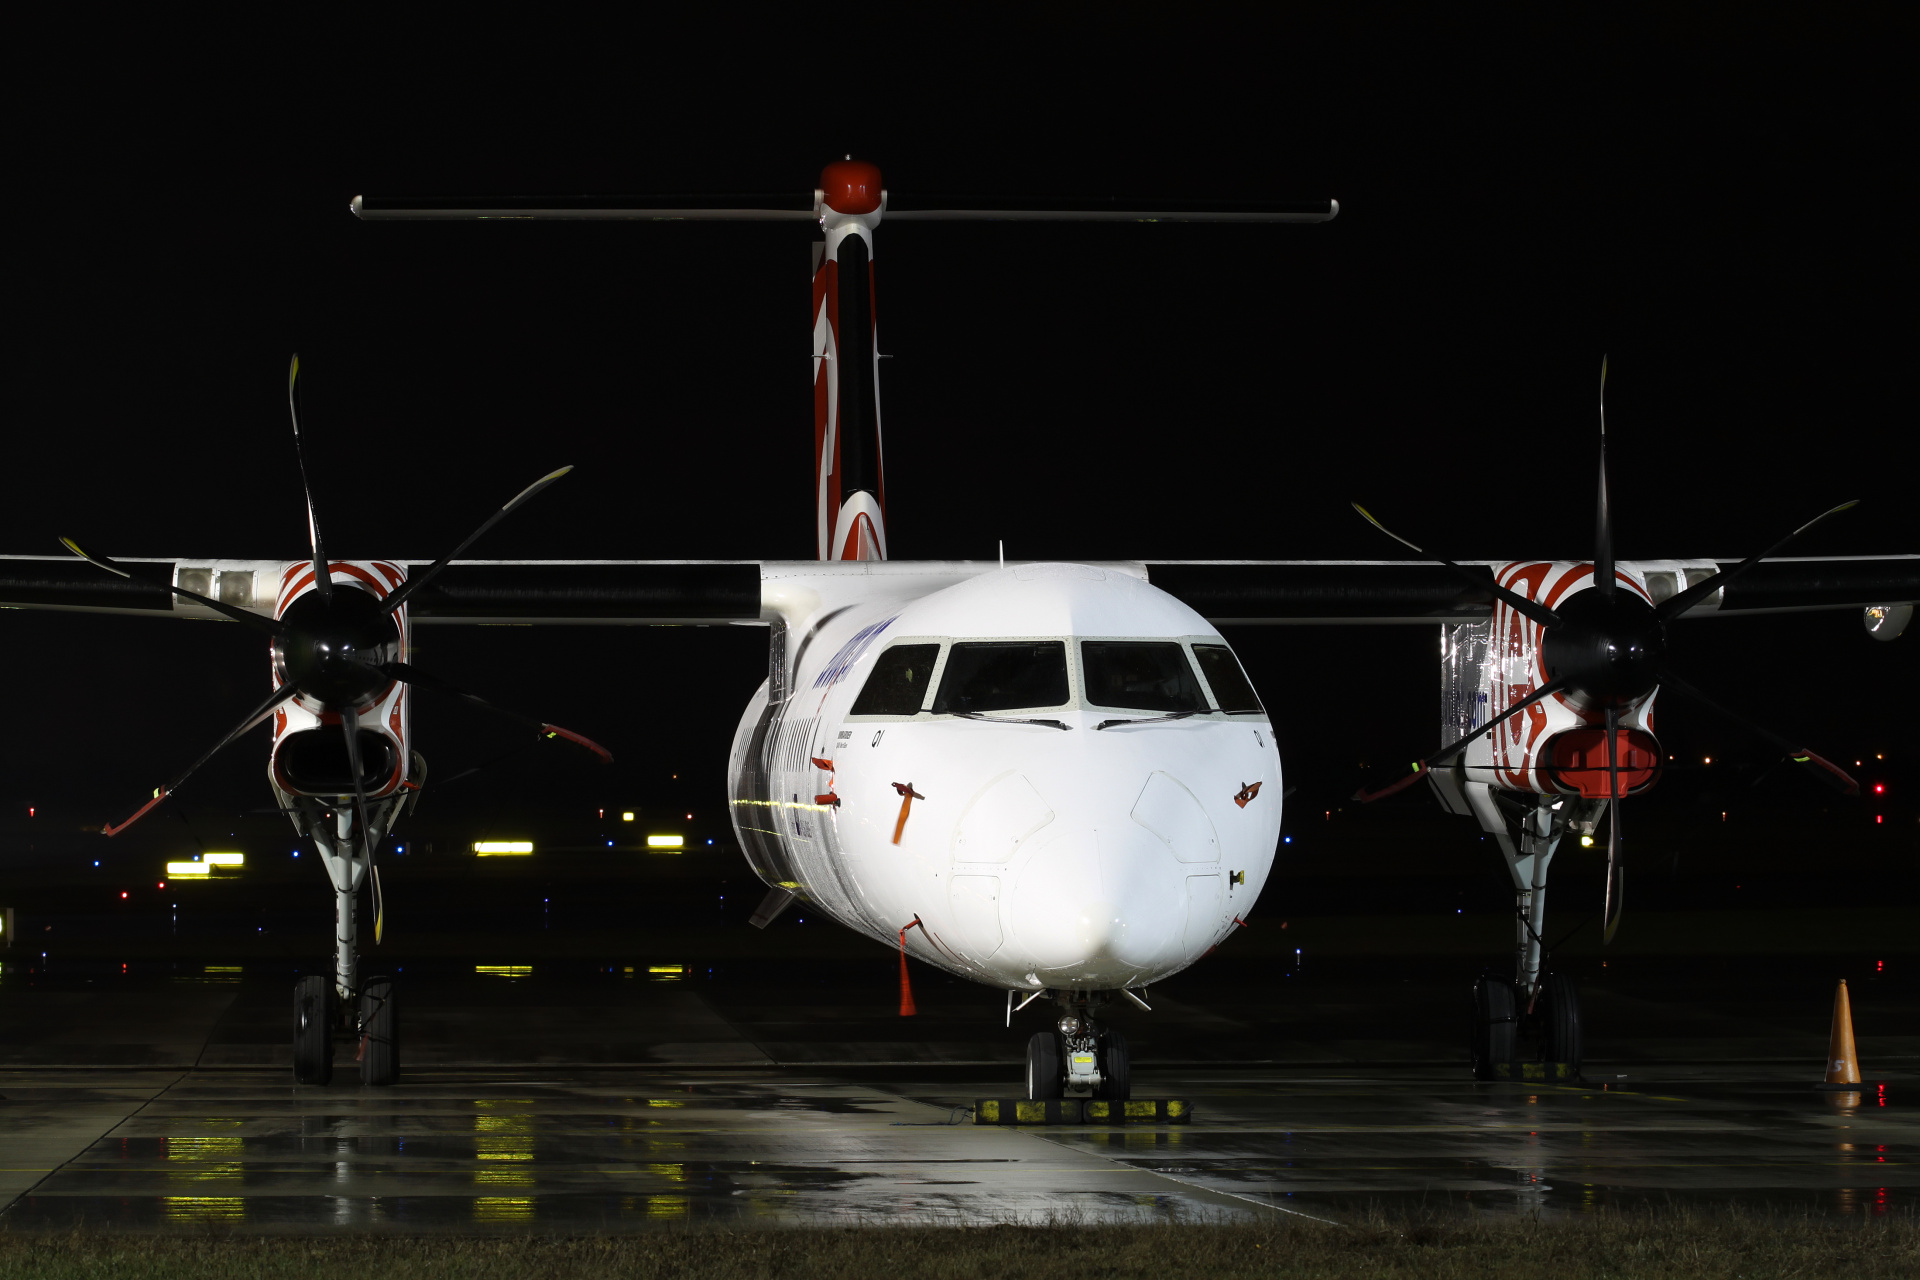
1140 1111
1012 1111
1544 1072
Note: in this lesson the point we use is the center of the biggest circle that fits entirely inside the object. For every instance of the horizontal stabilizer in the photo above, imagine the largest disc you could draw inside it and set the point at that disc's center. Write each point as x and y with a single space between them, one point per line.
937 208
781 207
804 207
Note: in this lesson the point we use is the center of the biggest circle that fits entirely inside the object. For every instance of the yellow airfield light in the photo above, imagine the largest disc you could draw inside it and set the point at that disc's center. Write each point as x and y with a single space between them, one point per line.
225 859
181 870
666 968
505 970
1586 842
626 817
666 842
502 848
225 968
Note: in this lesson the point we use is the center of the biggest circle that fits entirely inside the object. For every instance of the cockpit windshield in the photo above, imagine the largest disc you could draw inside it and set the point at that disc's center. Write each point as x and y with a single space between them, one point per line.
1140 675
898 685
1003 676
1230 684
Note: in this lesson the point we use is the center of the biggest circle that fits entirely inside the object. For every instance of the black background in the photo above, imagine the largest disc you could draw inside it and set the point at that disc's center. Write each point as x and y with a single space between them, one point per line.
1719 197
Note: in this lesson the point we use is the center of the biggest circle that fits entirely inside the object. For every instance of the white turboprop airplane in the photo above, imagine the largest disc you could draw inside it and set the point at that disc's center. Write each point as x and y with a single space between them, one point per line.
1051 778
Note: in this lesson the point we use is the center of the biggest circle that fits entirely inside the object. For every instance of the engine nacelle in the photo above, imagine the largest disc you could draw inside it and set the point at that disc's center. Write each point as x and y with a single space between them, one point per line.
309 755
1576 762
1555 746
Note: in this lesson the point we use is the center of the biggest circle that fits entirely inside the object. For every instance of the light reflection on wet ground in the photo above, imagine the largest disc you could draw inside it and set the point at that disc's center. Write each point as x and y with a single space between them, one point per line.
610 1151
570 1102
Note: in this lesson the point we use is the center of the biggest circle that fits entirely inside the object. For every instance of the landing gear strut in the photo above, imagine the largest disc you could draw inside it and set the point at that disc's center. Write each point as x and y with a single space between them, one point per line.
1079 1058
1532 1016
322 1006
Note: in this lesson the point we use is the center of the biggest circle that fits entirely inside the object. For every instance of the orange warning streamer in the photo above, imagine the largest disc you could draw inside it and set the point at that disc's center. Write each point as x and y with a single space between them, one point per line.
907 1007
907 796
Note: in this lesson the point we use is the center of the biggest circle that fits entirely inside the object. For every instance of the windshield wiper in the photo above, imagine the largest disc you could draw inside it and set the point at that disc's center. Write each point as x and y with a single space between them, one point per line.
981 715
1178 715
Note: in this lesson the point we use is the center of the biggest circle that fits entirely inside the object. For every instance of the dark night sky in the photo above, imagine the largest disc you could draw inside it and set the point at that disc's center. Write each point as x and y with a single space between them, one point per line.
1721 202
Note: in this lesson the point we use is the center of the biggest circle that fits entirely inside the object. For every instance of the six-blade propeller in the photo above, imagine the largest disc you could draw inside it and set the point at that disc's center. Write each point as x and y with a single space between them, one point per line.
1604 649
337 648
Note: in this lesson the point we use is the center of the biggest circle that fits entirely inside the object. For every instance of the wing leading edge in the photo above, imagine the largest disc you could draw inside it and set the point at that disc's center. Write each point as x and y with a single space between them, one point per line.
668 592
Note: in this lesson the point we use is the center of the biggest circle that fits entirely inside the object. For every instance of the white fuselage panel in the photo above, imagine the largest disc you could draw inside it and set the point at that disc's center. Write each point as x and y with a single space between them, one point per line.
1032 856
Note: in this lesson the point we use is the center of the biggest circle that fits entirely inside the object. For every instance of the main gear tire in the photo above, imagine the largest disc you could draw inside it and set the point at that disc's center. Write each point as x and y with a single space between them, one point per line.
1045 1078
1557 1013
1495 1022
1116 1068
379 1033
313 1009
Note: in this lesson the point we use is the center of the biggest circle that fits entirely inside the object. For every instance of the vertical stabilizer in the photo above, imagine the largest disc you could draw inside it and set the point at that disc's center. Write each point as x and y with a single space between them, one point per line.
848 473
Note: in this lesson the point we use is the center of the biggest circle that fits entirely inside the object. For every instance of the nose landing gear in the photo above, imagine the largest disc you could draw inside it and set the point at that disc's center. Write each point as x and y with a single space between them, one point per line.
1079 1058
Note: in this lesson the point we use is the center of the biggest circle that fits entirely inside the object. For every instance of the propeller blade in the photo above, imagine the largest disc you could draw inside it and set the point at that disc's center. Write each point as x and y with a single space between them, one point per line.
1447 753
1603 513
1530 609
420 580
322 571
350 725
419 679
1616 871
259 622
1675 605
1826 770
254 717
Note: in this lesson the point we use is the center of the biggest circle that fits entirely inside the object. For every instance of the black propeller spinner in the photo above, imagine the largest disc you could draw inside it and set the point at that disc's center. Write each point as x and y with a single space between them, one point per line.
339 645
1605 648
333 647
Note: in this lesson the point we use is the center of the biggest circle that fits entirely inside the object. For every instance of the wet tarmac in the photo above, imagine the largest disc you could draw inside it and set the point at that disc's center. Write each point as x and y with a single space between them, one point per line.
603 1100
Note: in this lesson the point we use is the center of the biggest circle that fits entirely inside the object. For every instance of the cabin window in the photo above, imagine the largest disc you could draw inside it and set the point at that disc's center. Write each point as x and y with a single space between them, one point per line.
1003 676
1140 675
899 683
1231 688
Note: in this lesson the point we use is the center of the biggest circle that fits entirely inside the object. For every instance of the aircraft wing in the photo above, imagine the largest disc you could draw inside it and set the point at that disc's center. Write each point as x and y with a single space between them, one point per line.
710 592
1255 592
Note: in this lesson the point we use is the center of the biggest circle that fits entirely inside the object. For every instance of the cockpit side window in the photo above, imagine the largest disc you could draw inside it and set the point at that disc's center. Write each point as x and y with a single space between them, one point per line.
1140 675
898 685
1227 680
1003 676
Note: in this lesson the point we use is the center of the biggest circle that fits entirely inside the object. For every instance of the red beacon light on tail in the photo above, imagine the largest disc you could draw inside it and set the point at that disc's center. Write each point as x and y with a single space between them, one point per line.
851 186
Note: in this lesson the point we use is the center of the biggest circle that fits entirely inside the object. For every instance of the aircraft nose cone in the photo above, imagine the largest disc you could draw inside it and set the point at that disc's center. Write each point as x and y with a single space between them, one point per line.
1102 907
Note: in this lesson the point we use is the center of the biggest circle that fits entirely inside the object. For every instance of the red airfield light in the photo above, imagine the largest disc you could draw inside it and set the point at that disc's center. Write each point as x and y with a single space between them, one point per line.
1879 788
123 893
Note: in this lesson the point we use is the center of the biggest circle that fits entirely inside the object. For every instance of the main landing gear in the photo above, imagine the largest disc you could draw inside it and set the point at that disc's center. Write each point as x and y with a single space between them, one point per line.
1080 1058
345 1004
1533 1016
318 1014
1508 1027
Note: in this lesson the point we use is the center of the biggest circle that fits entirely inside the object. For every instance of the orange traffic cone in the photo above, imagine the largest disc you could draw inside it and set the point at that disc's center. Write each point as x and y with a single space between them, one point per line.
1843 1065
